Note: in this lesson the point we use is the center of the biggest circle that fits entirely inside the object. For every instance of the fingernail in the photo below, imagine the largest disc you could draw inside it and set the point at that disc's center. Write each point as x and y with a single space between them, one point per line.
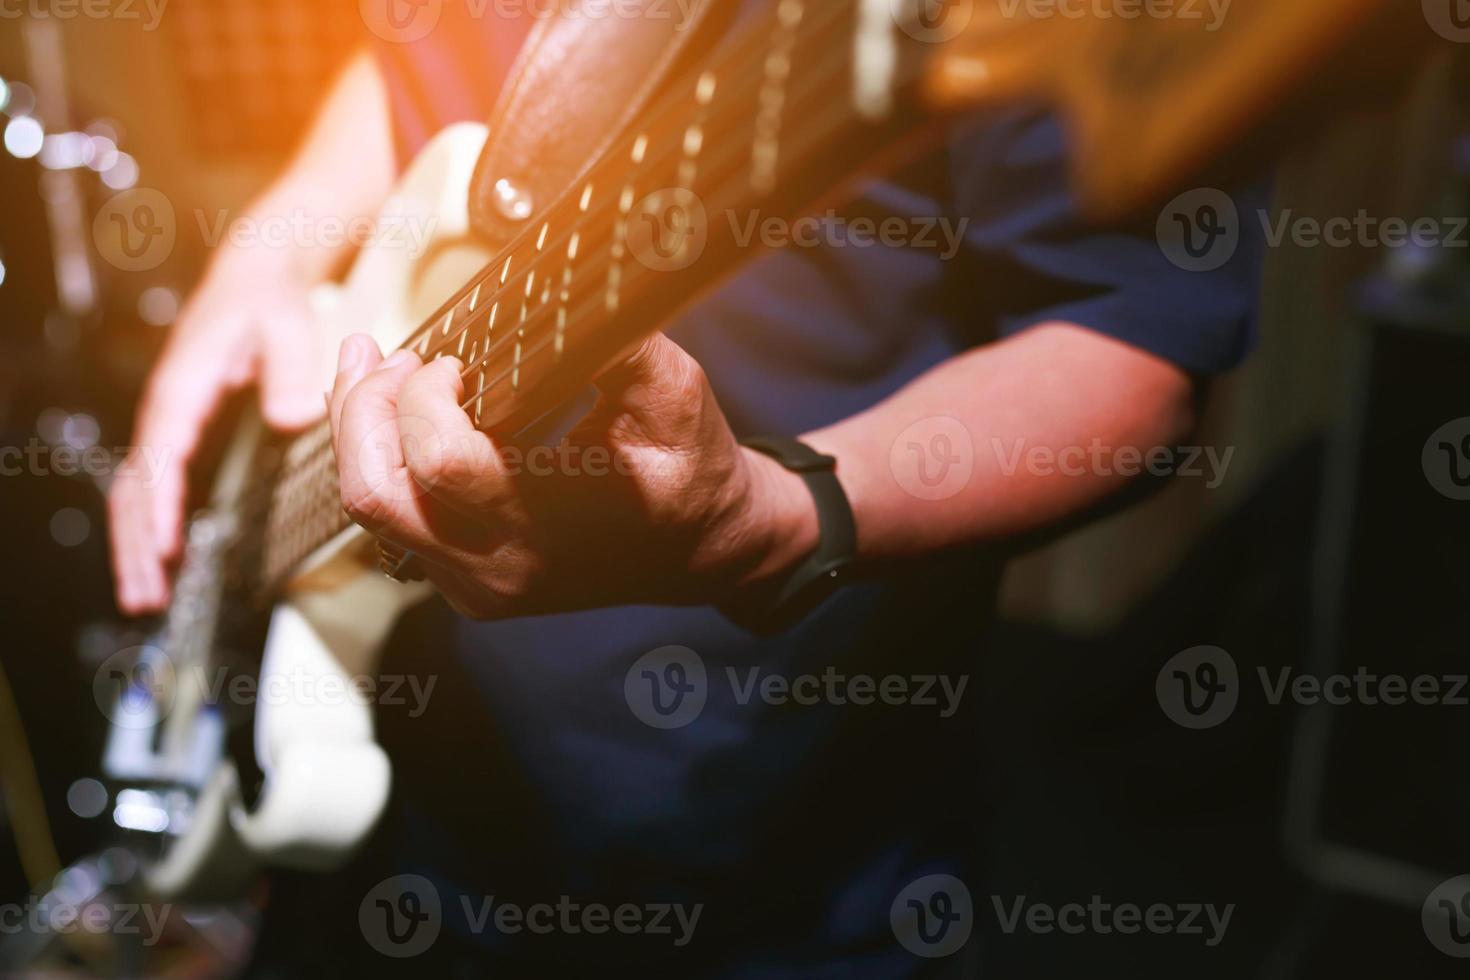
348 355
396 359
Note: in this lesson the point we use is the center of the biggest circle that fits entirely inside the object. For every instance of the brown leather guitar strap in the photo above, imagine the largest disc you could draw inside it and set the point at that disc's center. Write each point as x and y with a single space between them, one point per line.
582 77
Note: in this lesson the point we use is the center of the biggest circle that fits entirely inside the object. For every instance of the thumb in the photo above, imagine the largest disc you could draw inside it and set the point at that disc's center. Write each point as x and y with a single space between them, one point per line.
658 383
290 390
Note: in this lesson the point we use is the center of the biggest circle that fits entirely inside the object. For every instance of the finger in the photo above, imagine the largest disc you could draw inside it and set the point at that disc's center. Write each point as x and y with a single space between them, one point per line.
661 387
357 356
290 390
181 398
377 491
137 571
442 450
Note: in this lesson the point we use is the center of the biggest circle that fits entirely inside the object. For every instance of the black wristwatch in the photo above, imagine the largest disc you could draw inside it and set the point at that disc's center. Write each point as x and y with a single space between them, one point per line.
807 585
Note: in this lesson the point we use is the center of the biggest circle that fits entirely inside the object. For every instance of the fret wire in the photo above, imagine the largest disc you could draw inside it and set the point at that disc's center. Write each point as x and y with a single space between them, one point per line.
428 348
747 68
771 96
730 154
726 157
590 305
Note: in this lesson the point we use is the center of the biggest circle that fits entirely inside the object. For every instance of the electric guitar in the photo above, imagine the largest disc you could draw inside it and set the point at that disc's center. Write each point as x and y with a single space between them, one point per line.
779 114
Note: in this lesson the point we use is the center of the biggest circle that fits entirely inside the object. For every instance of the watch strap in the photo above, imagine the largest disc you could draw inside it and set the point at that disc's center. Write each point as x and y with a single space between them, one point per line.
806 585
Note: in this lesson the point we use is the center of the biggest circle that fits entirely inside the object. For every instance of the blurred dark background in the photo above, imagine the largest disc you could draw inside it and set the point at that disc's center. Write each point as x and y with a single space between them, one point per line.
1327 548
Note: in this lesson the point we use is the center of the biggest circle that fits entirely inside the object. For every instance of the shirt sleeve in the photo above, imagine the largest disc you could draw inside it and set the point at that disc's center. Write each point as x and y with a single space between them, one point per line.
1190 302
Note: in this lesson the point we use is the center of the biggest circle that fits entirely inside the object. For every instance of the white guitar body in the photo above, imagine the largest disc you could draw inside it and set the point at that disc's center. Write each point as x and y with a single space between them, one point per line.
326 779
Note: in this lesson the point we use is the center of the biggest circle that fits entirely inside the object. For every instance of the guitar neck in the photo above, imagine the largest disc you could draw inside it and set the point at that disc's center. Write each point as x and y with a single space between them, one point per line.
805 98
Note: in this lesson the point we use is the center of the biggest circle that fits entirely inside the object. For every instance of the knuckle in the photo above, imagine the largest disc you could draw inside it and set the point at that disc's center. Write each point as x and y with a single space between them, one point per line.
429 466
687 377
432 462
363 506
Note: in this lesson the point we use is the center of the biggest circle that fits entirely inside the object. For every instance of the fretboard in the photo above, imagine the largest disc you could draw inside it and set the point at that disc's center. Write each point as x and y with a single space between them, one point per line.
809 94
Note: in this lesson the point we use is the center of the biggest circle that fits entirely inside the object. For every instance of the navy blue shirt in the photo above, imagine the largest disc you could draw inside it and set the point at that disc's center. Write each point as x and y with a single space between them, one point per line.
795 826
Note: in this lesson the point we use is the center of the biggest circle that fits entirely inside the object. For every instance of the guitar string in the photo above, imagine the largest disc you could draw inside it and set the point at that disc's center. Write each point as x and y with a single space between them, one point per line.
721 159
670 113
590 304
